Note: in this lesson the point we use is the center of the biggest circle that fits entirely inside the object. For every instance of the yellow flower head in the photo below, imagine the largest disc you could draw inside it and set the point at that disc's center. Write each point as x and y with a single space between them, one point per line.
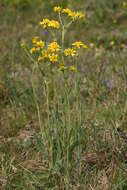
40 58
35 39
57 9
45 54
63 67
100 46
54 24
80 15
84 46
70 52
37 49
32 50
77 44
50 23
67 11
114 20
92 45
112 43
44 23
53 57
77 15
40 44
22 44
74 15
72 68
124 4
54 47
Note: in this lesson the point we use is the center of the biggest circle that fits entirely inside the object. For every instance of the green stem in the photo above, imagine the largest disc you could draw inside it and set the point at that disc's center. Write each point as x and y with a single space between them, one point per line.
79 119
35 98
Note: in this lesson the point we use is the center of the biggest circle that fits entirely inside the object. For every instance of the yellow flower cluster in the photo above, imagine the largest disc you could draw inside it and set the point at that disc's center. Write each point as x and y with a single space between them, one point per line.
38 45
35 39
73 14
63 67
32 50
71 68
57 9
45 54
53 57
79 44
70 52
50 53
50 23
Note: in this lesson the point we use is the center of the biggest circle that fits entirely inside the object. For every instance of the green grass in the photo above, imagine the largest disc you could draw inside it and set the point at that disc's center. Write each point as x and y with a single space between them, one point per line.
80 141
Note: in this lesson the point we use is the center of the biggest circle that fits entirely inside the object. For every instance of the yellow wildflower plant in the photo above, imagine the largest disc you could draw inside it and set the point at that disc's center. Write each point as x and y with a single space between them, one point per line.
52 52
45 23
53 47
70 52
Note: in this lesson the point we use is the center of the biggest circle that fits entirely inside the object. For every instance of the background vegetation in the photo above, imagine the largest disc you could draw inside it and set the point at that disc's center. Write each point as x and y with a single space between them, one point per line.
24 163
